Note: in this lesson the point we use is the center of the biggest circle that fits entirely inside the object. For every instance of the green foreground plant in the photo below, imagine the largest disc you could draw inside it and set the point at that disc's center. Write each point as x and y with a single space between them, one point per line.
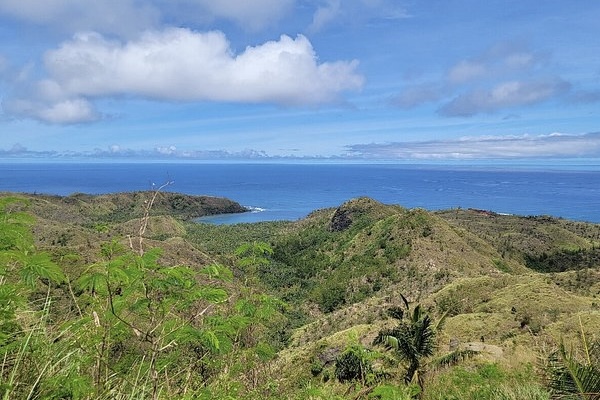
132 327
24 333
576 374
413 339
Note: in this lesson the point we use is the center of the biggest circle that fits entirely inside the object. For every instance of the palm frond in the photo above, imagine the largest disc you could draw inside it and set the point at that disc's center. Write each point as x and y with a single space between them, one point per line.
404 300
453 358
570 376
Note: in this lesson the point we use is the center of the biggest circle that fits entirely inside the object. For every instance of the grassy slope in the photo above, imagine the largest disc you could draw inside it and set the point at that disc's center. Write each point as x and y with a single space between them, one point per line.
475 266
77 225
467 263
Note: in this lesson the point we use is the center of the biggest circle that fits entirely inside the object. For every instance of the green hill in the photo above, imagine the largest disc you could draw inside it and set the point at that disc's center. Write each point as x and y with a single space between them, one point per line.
301 295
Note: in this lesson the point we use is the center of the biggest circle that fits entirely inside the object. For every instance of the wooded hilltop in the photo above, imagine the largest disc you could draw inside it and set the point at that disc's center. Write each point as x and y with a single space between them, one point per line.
128 296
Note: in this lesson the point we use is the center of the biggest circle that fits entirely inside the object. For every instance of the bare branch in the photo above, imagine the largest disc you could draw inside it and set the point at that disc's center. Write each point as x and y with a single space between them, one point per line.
146 217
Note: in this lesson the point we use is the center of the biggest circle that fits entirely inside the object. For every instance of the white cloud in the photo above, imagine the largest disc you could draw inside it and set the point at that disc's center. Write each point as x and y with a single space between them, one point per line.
466 71
178 64
554 145
514 55
182 65
68 111
504 95
504 76
355 10
166 150
520 60
324 15
117 152
549 146
501 60
47 101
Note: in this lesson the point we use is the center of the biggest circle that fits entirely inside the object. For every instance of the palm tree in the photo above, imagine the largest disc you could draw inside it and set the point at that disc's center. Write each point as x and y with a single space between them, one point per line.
413 339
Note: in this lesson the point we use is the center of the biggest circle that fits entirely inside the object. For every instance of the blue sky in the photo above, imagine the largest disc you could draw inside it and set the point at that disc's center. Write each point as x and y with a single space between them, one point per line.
285 79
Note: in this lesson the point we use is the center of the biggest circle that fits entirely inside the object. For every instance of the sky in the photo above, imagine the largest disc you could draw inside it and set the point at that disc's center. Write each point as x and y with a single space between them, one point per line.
366 80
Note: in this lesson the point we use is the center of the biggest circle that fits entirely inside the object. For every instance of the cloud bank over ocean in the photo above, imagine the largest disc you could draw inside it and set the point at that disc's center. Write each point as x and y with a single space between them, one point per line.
474 148
555 145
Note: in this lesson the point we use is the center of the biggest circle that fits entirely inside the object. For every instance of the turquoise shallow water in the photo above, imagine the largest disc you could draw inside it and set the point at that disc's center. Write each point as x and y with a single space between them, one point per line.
291 191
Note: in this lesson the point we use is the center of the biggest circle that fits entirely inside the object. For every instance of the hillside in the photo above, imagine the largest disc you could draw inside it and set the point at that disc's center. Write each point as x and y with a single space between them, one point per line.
80 223
85 209
475 267
509 289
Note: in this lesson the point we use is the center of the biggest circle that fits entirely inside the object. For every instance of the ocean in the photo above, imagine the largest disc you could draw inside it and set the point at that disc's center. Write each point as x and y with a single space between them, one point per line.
292 191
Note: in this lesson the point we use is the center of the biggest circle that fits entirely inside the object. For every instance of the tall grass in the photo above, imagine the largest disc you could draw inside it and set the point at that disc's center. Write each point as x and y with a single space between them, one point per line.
486 382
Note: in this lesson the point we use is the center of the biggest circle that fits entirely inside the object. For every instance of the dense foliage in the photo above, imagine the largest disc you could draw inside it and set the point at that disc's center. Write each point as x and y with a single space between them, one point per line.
128 326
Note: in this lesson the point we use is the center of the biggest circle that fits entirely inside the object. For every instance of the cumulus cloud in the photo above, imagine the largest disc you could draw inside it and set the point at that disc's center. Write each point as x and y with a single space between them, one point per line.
47 101
181 65
68 111
555 145
504 95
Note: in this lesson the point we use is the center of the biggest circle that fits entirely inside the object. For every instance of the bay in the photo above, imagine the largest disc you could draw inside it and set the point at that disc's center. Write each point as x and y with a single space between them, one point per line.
292 191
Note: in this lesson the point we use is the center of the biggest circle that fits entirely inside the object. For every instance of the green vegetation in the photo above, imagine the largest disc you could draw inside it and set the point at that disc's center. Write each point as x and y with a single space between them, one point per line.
124 296
488 381
354 364
413 340
576 375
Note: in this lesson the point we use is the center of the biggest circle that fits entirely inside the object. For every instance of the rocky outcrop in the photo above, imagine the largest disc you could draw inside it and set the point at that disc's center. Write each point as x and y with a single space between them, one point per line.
341 220
352 210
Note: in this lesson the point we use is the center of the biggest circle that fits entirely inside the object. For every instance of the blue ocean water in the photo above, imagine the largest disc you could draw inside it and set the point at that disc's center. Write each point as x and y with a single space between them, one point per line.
291 191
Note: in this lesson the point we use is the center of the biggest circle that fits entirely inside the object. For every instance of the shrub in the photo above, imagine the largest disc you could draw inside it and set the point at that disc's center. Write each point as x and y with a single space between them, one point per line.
354 364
